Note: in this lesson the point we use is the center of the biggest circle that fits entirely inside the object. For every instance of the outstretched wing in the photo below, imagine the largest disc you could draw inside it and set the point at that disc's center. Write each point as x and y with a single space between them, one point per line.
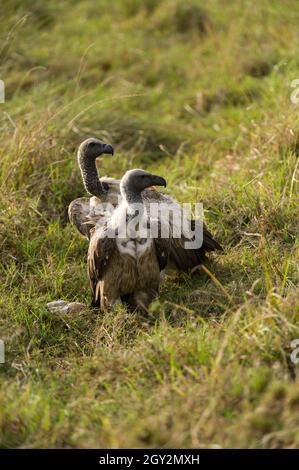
187 258
209 243
184 258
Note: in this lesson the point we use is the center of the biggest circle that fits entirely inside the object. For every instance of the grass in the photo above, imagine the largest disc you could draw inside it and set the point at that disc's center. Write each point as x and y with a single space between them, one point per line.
199 92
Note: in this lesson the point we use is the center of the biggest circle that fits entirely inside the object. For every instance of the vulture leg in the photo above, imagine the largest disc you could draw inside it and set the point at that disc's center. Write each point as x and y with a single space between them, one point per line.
143 299
106 296
139 301
112 302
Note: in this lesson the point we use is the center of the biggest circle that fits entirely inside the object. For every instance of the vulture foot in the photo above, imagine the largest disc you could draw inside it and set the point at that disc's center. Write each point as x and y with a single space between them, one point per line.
142 299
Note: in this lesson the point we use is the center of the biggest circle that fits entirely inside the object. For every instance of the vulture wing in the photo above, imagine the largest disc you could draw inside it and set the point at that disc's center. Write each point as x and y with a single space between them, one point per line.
78 212
183 258
162 247
83 211
162 252
186 259
100 251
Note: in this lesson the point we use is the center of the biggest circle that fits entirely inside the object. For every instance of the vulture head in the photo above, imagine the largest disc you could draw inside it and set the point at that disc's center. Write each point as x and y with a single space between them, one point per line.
88 152
93 148
135 181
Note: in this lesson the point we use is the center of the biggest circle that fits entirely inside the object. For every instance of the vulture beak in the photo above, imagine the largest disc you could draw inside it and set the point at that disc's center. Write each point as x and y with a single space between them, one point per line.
108 149
159 181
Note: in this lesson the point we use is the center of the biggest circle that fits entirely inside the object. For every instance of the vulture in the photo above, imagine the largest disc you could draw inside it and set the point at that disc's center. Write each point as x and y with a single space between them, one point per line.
124 262
85 213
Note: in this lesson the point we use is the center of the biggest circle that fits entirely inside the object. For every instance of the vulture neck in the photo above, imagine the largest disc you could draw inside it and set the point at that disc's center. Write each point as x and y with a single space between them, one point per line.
132 198
90 176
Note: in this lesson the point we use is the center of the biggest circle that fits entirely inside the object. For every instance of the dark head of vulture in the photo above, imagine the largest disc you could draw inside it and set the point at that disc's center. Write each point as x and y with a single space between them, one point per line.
135 181
83 211
121 267
88 152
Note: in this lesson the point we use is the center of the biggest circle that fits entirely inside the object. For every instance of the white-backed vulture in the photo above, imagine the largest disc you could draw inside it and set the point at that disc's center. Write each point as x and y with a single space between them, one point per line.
85 213
124 261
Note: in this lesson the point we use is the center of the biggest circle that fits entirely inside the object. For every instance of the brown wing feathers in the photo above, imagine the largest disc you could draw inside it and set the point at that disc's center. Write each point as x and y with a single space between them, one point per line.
100 251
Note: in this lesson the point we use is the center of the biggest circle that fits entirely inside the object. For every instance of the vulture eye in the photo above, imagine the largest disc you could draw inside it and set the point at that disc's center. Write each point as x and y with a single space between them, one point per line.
92 144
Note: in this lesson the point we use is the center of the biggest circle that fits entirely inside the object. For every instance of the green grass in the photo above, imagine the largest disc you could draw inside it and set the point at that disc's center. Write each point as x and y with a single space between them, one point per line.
199 92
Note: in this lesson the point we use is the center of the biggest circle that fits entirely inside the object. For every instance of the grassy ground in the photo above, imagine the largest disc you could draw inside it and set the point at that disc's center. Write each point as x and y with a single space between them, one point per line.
199 92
